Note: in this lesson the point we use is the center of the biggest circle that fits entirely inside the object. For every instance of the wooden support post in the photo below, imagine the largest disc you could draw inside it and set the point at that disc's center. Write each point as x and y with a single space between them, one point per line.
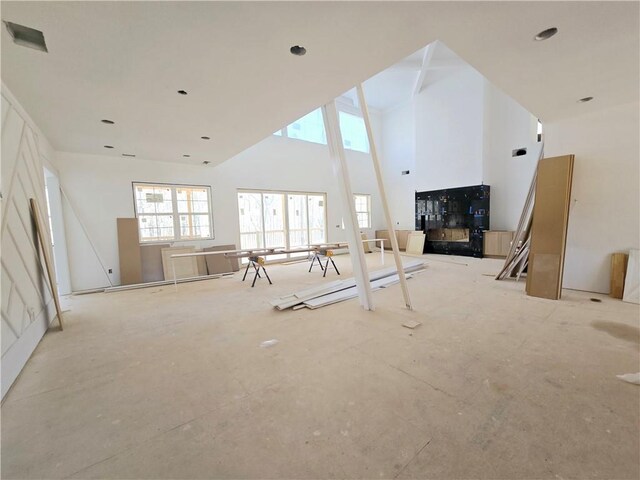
48 261
341 171
383 199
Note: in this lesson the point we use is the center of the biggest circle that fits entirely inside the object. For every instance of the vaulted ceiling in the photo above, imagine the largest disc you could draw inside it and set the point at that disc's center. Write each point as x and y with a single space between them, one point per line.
125 61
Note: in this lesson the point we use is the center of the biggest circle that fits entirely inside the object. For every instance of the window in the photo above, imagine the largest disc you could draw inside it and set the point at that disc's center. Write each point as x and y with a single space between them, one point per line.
354 133
310 128
173 212
281 219
363 210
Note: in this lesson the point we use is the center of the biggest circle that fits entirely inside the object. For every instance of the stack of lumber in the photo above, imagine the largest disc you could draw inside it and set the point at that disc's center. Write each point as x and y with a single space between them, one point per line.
340 290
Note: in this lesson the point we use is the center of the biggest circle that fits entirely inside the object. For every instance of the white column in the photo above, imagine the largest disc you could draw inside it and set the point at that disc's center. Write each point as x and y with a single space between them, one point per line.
341 172
383 198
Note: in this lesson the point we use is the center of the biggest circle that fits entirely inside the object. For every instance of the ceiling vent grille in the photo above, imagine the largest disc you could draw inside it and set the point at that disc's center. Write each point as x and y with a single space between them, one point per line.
27 37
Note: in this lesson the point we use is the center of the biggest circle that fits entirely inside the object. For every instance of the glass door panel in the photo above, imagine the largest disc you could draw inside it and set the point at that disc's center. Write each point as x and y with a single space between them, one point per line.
317 228
274 222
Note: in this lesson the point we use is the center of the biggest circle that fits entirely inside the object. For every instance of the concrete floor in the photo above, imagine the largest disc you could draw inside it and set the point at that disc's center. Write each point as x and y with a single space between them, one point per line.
157 384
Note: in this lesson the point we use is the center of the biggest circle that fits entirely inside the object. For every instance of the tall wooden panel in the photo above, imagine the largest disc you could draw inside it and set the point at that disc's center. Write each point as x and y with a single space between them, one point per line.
129 251
549 227
151 256
618 273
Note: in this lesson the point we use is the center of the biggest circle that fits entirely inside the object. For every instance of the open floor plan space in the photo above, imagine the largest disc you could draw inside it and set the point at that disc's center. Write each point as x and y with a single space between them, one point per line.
159 383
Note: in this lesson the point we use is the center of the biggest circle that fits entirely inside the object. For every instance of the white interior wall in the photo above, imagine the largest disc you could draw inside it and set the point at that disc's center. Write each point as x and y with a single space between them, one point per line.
449 135
99 188
27 303
605 196
507 126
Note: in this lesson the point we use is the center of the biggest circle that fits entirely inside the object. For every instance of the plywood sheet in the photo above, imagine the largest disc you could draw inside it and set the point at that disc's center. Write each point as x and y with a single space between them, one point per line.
185 267
632 279
415 243
221 263
129 251
549 227
618 273
151 257
365 245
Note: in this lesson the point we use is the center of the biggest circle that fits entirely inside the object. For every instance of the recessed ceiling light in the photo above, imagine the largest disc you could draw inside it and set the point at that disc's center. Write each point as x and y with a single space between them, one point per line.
182 92
206 162
108 122
108 146
26 36
186 156
128 155
298 50
206 138
546 34
585 99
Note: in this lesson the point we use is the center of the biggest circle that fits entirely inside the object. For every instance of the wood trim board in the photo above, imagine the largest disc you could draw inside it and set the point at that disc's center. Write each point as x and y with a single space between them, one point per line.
129 251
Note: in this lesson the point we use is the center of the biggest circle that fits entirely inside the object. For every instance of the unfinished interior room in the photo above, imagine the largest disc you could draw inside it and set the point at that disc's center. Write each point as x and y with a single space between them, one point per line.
318 240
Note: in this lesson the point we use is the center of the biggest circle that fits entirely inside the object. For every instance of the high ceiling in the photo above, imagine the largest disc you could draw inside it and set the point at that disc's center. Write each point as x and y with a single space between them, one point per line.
125 61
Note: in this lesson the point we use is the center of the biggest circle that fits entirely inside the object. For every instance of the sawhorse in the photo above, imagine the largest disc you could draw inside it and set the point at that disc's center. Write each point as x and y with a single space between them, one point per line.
327 254
257 263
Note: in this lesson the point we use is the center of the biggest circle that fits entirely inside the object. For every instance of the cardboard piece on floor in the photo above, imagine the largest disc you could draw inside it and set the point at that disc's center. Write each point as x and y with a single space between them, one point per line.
549 227
129 251
151 257
415 243
221 263
618 273
365 245
185 267
43 239
411 324
632 279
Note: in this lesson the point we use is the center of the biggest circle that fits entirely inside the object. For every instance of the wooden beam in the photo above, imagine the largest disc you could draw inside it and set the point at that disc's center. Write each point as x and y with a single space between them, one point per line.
426 60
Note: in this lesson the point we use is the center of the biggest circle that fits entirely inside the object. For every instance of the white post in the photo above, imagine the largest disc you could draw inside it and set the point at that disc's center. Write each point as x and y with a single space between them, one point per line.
341 171
383 198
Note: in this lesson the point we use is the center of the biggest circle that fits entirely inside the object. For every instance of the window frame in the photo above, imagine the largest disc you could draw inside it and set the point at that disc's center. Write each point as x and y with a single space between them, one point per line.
174 211
368 211
286 194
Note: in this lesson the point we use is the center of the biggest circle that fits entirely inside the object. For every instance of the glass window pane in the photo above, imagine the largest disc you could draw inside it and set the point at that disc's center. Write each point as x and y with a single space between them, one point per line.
354 133
297 205
153 199
309 128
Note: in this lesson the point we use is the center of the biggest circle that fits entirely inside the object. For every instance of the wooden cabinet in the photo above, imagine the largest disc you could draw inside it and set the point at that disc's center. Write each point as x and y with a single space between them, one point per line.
497 243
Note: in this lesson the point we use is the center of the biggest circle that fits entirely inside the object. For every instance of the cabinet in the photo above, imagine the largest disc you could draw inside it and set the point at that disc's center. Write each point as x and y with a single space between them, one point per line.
497 243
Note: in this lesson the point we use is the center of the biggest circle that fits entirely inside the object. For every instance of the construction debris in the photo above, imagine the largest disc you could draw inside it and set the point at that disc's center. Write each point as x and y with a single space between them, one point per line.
340 290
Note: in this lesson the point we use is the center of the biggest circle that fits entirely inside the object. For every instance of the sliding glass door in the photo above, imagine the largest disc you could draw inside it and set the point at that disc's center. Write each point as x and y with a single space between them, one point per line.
281 219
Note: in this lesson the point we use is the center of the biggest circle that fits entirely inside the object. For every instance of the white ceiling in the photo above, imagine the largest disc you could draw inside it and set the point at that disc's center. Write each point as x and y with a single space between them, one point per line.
125 61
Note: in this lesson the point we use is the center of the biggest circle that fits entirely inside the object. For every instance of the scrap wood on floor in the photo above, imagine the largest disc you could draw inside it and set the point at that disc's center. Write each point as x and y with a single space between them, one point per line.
340 290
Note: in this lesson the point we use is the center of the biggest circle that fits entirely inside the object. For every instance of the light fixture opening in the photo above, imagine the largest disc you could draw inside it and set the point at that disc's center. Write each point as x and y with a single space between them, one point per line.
128 155
186 156
108 146
182 92
298 50
585 99
205 138
108 122
26 36
546 34
206 162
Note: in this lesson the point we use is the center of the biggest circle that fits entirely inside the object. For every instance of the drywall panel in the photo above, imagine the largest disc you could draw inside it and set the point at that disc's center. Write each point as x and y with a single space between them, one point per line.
185 267
221 263
606 190
549 227
151 259
27 304
129 251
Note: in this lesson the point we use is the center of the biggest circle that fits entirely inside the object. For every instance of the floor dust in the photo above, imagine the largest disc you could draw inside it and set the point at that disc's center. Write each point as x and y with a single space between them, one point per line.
619 330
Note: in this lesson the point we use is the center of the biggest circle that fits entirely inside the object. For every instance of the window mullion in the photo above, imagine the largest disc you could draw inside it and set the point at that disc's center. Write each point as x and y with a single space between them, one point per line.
176 215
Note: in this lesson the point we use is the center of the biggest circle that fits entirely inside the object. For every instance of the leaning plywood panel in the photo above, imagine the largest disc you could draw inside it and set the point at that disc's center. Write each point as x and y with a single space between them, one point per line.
151 256
632 279
221 263
549 227
129 251
618 272
185 267
415 243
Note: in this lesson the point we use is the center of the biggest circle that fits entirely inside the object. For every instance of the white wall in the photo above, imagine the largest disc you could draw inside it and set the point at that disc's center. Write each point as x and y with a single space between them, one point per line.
507 126
27 304
448 119
99 189
398 153
605 194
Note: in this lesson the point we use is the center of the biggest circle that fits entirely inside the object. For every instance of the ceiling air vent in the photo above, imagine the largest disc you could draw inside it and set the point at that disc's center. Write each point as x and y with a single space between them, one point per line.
27 37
